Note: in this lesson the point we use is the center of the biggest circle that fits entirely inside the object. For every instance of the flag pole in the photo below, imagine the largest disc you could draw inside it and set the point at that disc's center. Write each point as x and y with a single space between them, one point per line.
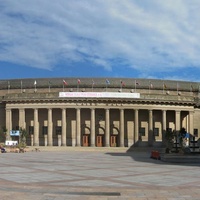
177 87
149 86
35 83
49 87
107 82
8 86
92 85
135 85
21 87
78 82
77 87
163 87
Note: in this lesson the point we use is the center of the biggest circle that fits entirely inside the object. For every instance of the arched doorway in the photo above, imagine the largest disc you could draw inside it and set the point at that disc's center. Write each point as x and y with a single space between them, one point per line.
114 137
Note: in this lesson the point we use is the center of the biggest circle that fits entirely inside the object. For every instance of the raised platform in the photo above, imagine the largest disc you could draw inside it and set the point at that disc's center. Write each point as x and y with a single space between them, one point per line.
181 158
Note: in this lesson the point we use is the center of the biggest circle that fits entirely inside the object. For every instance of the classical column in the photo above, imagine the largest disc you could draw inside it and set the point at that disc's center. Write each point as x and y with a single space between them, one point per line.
150 136
32 140
150 120
136 129
64 126
59 140
22 118
191 122
107 133
164 125
92 127
78 127
121 127
50 128
36 128
45 140
8 123
178 120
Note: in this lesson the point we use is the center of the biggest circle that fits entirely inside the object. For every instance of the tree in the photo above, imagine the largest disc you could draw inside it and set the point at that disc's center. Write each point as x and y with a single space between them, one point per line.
169 136
22 137
3 132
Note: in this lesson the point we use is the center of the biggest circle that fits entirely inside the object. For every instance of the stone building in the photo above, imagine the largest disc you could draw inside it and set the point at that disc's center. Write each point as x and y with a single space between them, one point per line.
98 111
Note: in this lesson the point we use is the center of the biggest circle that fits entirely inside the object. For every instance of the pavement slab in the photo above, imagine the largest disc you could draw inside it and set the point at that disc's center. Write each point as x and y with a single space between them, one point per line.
91 174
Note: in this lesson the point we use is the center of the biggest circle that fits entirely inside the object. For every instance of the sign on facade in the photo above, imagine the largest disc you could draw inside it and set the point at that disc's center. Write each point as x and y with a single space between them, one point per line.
14 133
99 95
11 143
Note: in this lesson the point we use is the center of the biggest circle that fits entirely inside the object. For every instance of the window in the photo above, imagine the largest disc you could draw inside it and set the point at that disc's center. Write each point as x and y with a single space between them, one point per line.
142 131
169 130
44 130
156 131
31 130
196 132
58 130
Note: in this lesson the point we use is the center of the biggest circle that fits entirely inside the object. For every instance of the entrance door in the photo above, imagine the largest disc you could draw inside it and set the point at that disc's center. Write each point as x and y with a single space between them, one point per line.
113 140
99 140
85 140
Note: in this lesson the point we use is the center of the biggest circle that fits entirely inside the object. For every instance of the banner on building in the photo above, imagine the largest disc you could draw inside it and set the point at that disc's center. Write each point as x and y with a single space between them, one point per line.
99 95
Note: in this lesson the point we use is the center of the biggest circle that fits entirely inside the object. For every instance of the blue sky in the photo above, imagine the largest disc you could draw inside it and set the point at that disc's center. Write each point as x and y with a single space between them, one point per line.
95 38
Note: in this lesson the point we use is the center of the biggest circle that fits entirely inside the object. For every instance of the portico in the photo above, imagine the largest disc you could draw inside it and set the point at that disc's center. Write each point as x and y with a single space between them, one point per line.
96 124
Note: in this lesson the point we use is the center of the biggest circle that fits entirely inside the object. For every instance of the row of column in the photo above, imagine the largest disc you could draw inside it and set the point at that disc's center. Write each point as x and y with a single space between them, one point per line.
92 128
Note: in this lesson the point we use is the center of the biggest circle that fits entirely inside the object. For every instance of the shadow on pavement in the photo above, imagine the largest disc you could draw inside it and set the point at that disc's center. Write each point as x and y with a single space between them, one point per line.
143 154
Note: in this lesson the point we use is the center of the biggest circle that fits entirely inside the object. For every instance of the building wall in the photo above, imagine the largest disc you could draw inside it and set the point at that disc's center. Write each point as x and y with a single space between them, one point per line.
181 111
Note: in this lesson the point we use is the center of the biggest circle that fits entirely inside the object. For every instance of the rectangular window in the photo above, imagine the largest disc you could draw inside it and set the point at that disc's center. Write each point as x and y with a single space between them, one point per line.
58 130
31 130
169 130
44 130
196 132
141 131
156 131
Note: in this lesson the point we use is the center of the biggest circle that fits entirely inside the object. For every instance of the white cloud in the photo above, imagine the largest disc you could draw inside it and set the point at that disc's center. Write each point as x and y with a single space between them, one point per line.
145 35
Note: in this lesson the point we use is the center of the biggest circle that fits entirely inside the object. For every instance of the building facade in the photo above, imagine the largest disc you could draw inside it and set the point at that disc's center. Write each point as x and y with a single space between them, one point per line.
97 112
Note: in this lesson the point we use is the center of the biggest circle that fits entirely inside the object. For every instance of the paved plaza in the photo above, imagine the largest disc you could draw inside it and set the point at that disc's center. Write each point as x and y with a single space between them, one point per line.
75 173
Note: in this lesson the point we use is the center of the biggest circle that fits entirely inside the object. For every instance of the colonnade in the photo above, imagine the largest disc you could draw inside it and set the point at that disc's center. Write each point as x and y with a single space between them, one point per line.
76 136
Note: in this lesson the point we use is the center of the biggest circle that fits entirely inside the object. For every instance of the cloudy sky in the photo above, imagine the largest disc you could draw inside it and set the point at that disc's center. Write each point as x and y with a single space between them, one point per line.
100 38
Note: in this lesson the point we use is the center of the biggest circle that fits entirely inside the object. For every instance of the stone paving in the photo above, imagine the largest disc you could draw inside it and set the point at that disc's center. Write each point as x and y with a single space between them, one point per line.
86 173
